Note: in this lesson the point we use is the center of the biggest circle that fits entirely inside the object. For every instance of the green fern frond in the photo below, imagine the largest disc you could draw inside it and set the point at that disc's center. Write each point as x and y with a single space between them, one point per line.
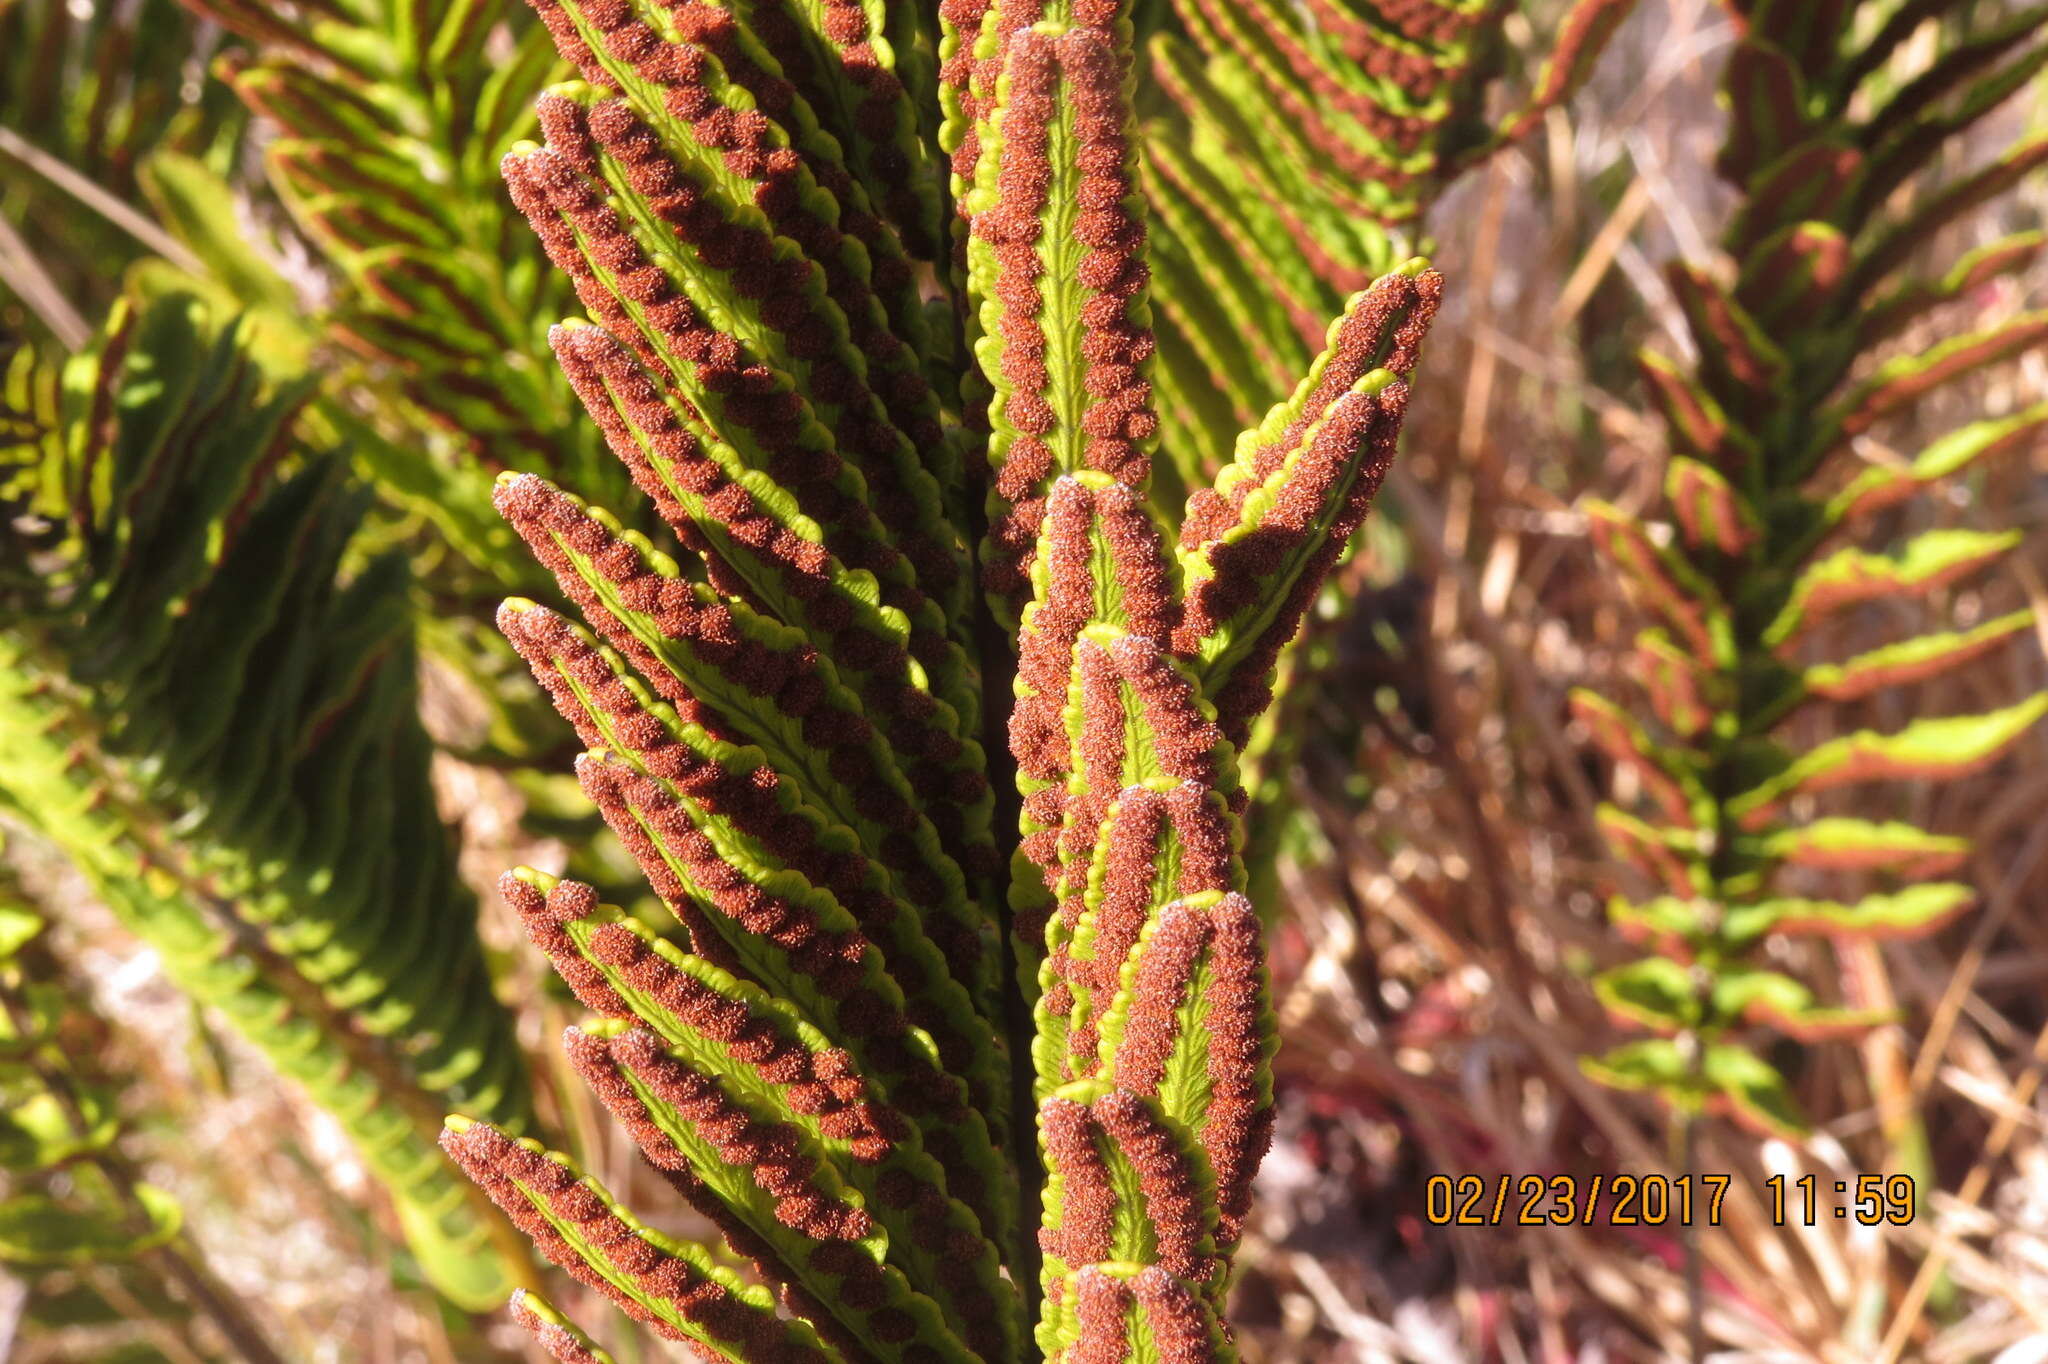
213 714
388 120
787 727
1831 161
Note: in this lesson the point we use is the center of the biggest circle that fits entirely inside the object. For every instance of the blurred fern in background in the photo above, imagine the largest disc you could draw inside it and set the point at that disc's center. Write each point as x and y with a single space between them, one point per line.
211 710
1759 552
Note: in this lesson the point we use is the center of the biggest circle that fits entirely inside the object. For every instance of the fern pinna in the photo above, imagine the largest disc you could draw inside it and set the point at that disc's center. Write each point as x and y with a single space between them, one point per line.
869 327
1830 156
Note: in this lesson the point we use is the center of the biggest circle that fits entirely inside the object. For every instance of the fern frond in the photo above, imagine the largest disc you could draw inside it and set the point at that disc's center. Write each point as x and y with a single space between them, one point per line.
217 723
786 730
1322 133
388 122
1825 238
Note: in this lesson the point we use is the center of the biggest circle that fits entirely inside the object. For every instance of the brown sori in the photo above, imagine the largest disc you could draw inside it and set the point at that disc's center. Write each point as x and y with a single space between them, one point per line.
1117 423
506 1170
788 678
825 1086
556 1339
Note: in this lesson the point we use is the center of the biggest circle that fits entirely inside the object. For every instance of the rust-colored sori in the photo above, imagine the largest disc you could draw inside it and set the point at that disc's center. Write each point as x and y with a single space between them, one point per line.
965 1079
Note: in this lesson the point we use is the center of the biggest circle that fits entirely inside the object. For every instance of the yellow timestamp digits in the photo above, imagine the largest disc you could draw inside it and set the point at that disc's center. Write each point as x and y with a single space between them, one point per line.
1872 1201
1570 1200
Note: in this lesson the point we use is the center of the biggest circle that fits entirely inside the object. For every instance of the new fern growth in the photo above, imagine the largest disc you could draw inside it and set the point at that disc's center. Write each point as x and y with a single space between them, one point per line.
212 712
1769 512
869 327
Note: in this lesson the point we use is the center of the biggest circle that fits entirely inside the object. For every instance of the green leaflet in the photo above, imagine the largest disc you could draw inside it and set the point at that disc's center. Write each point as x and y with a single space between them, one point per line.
1694 418
1685 696
1583 35
36 1133
1912 660
1929 111
1664 996
1760 996
1727 1078
1896 245
1669 776
1855 844
1208 288
1213 216
1928 561
1752 1090
1898 383
1767 115
1916 910
1672 858
1925 749
1336 126
1279 191
1816 181
1913 297
1710 512
1794 272
1954 453
18 928
1663 583
1653 992
196 204
1739 363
